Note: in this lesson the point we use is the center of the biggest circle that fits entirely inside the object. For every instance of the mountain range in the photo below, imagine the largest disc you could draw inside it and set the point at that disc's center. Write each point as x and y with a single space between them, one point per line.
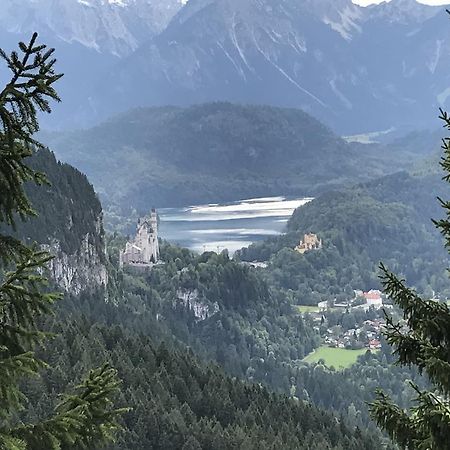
357 69
100 33
116 27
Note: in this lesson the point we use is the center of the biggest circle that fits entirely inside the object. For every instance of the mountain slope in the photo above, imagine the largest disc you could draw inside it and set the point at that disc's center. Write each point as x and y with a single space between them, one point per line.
356 69
177 402
326 57
214 152
69 224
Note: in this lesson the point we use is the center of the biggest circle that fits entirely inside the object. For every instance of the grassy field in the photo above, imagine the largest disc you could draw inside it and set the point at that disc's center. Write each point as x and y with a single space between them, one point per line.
340 358
307 309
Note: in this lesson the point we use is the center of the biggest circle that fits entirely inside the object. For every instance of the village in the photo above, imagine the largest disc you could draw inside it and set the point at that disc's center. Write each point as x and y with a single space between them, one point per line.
354 324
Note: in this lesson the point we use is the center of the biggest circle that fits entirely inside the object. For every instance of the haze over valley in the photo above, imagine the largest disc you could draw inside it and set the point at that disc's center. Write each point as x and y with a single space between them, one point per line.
233 219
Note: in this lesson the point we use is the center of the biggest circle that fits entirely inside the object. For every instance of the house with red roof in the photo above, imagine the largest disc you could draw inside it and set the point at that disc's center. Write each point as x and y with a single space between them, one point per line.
373 298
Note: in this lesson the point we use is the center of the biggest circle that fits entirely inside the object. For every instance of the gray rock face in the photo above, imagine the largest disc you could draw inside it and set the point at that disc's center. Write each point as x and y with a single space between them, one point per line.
201 309
90 37
82 270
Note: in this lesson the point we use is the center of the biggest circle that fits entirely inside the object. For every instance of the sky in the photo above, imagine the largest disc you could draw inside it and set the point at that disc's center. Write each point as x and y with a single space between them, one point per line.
428 2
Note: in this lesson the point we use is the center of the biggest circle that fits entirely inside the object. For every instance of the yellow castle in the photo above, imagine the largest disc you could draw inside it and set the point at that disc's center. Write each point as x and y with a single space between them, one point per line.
310 242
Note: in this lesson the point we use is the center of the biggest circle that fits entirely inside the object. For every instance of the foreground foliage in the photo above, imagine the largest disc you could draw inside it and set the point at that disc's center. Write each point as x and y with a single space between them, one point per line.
422 339
85 418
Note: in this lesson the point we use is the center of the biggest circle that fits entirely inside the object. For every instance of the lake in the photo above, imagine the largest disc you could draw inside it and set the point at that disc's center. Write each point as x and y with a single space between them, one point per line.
231 226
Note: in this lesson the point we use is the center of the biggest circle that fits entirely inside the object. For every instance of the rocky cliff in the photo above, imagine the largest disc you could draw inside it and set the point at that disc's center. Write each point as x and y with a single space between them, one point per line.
79 271
69 224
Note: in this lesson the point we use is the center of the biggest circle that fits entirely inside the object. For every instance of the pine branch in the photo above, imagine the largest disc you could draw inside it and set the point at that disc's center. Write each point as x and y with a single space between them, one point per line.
422 340
82 419
395 421
29 90
87 418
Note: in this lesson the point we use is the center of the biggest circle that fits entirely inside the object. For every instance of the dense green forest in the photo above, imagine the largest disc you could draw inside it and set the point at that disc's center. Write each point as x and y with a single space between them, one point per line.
256 337
231 317
140 327
386 219
67 208
218 152
179 403
234 318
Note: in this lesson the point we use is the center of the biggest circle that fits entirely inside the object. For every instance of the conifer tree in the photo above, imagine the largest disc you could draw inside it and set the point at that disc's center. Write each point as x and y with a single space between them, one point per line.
421 339
85 418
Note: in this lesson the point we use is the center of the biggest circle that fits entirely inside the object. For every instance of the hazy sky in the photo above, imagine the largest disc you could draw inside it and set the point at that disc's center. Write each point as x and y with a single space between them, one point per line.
428 2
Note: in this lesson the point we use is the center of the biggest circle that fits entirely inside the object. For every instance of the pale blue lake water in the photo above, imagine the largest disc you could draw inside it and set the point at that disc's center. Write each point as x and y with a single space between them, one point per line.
231 226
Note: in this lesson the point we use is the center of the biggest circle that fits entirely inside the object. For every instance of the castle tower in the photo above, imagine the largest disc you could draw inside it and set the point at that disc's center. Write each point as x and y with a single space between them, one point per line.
154 244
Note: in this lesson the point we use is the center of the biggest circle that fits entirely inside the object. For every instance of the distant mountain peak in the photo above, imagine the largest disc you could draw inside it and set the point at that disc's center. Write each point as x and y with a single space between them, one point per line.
116 27
404 11
358 68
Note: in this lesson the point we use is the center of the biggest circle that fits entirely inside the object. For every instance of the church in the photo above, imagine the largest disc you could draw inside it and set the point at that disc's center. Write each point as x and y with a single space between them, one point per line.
143 250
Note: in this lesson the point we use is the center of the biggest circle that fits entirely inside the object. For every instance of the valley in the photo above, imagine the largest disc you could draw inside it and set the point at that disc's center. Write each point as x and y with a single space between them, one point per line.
245 319
232 234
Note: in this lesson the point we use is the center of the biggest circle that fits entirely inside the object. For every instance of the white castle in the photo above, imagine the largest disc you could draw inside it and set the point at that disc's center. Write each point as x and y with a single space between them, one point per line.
144 249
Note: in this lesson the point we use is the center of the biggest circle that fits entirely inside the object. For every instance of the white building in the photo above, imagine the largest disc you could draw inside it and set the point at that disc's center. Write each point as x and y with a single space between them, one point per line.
144 249
374 298
323 306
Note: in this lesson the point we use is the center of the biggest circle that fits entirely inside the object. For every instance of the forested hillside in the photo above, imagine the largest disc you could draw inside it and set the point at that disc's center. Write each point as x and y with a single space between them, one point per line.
179 403
159 380
224 310
387 220
217 152
258 336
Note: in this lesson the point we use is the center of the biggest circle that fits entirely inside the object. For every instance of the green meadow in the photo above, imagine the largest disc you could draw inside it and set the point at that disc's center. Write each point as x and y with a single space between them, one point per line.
340 358
303 309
